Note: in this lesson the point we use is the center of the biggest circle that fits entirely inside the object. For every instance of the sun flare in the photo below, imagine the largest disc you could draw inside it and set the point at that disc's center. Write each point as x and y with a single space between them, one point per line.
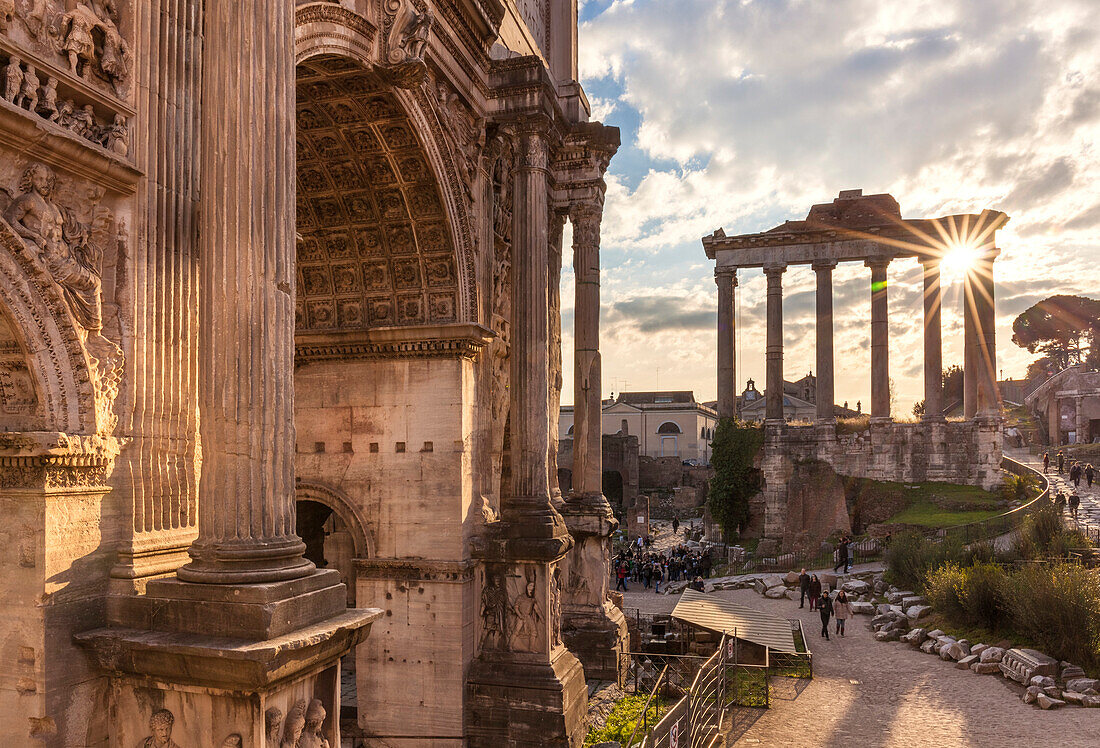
959 256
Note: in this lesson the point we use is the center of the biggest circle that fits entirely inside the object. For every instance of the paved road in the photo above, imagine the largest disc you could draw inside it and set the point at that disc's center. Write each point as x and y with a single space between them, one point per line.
1089 511
866 694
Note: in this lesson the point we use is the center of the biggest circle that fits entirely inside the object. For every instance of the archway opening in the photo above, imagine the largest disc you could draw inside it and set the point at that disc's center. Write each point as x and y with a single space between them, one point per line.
612 483
329 541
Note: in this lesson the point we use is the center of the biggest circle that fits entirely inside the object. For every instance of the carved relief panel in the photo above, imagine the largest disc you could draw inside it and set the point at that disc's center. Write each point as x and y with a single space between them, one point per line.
536 14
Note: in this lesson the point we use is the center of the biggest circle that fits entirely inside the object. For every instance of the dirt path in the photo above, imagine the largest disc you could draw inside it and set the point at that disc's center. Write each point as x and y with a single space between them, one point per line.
867 693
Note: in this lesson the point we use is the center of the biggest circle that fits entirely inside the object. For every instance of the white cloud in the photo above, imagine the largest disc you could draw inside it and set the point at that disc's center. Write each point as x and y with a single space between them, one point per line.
752 110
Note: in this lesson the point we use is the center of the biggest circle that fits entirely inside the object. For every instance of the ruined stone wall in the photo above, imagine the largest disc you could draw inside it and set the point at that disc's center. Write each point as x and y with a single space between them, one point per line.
967 452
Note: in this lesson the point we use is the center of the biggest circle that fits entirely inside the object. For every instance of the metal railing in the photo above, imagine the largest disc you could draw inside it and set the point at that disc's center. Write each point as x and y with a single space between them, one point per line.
1004 523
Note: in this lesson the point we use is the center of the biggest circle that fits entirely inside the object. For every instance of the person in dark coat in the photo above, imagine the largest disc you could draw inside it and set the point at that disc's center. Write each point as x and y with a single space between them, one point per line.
825 610
1046 462
1075 474
1090 474
842 556
1061 462
803 588
675 525
814 591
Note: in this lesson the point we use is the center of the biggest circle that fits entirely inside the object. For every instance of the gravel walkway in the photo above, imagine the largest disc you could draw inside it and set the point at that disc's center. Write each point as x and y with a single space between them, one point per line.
867 693
1089 511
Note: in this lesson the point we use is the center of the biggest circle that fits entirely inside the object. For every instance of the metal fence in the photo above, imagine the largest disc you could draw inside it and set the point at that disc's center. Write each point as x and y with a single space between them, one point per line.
695 721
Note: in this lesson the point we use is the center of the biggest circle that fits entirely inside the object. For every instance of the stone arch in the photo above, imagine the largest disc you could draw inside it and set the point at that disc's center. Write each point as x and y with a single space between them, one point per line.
47 336
386 236
338 502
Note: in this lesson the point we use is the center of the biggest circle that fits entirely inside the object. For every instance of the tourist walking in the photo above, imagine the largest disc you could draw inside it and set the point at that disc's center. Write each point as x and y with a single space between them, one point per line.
825 610
1061 462
842 610
842 555
803 589
675 525
1046 462
1090 473
1075 474
1060 501
1074 503
620 572
815 591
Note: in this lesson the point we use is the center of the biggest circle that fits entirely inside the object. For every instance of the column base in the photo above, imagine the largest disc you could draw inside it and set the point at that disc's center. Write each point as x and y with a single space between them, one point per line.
599 639
247 562
881 419
252 612
216 691
516 702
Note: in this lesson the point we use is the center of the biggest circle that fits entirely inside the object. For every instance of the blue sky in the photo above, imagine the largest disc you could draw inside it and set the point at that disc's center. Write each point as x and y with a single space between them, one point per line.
743 113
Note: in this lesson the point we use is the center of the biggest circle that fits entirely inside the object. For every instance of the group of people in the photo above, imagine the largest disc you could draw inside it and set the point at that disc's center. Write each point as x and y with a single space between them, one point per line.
828 607
647 568
1074 502
1077 469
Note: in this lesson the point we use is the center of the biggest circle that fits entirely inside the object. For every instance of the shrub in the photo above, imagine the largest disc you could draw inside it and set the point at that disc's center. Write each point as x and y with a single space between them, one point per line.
1058 606
1043 534
983 595
736 477
945 588
911 557
621 721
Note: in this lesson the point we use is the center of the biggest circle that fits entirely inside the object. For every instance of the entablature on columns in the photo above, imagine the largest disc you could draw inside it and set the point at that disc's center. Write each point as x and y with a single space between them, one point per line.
856 228
455 341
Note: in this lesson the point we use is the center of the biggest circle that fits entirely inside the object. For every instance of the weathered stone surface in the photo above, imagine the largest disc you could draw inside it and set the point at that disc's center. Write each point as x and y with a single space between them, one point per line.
911 600
915 637
1073 697
773 580
1021 665
856 587
966 662
935 633
957 651
1083 684
992 654
776 592
887 636
1069 671
1042 681
917 612
897 596
978 648
1091 701
1031 694
928 646
1047 702
759 586
863 609
791 580
986 668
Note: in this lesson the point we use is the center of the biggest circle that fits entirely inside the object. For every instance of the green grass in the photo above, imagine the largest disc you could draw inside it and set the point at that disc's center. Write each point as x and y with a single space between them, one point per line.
623 718
933 505
747 686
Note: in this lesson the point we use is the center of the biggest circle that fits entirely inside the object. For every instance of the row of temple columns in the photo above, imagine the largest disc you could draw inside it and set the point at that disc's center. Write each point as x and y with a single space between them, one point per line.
980 357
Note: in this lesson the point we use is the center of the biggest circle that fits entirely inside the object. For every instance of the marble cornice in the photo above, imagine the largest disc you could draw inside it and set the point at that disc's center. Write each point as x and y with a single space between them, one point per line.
462 340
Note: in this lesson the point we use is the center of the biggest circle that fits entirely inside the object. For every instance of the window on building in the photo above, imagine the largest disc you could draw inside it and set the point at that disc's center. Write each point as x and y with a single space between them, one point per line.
668 427
569 432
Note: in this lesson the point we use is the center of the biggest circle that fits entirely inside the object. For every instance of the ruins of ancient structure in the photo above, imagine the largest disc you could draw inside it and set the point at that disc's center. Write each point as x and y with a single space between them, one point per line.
868 229
263 262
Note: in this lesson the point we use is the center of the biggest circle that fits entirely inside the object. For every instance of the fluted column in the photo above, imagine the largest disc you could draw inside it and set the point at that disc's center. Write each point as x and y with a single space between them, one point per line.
989 401
246 305
826 395
587 388
880 341
553 290
774 383
933 343
726 278
970 347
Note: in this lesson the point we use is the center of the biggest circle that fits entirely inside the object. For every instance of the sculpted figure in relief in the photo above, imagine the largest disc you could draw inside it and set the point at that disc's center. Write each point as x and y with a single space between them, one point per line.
414 37
116 138
161 726
79 46
63 245
273 721
28 94
555 608
295 724
13 79
47 106
7 14
312 737
493 605
527 617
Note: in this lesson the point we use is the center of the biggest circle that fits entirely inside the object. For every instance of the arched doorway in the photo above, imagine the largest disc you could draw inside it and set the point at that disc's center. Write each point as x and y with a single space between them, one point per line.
613 488
333 535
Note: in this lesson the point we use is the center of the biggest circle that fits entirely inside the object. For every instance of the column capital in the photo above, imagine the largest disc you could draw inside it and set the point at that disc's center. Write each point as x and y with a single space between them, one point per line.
775 268
587 210
877 262
533 150
823 264
723 273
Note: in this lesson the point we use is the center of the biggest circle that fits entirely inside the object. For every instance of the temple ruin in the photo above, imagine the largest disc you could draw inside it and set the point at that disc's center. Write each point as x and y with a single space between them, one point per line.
868 229
282 269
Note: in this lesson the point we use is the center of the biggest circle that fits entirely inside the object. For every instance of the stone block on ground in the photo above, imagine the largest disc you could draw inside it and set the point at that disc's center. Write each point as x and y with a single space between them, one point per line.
1031 694
898 595
1042 681
957 651
793 594
928 646
917 612
915 637
966 662
986 668
856 587
759 586
1021 665
991 654
1070 671
776 593
1091 701
828 580
906 602
935 634
977 649
1073 697
1083 684
887 636
791 580
862 609
773 580
1047 702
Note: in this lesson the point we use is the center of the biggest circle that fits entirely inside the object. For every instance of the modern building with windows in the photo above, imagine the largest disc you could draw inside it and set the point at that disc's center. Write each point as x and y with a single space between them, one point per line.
667 424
